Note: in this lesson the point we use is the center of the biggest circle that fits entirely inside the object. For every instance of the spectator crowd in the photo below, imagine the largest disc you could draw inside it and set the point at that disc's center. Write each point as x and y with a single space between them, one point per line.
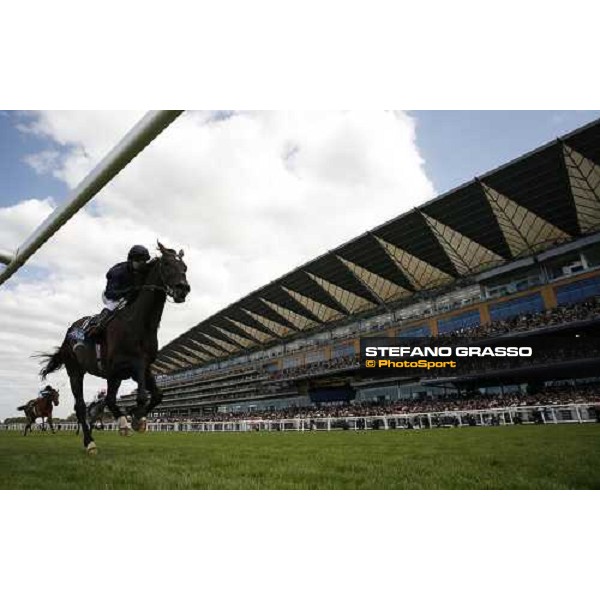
449 403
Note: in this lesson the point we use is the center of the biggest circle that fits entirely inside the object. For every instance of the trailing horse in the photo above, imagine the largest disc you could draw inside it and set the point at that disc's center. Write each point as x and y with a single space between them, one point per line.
40 407
95 414
127 347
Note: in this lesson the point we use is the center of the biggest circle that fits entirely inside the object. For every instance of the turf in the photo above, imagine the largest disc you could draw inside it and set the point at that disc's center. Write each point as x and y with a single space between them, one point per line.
525 457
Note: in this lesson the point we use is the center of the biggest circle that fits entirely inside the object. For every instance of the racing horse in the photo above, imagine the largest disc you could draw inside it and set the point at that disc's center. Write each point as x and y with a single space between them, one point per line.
127 348
40 407
95 413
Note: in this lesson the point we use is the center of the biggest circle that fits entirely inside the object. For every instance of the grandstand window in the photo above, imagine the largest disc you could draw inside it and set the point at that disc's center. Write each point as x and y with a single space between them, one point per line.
512 282
565 266
343 350
592 256
415 310
511 308
342 332
413 392
321 337
578 290
316 356
462 321
458 299
381 394
421 331
511 287
290 362
366 325
293 346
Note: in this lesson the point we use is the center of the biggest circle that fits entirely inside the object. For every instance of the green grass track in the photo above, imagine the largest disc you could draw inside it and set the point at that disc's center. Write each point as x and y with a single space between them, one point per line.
519 457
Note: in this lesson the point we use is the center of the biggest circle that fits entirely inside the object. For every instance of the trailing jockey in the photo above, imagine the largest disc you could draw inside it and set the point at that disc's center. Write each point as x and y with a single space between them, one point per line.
40 407
46 392
121 288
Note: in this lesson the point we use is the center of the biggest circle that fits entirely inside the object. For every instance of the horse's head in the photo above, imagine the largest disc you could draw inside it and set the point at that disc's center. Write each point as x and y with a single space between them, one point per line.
172 271
50 395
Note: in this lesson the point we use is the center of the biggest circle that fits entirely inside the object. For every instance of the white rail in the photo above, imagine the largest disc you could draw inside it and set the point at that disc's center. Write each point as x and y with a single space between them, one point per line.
512 415
148 128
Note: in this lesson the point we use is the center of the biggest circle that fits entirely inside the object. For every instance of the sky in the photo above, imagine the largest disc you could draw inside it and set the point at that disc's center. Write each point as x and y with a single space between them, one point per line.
248 195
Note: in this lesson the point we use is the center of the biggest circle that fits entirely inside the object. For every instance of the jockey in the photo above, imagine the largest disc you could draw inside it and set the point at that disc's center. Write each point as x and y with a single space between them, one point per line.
47 391
121 278
120 287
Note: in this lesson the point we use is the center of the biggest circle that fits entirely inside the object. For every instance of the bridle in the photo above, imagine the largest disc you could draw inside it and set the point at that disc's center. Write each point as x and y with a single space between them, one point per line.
167 289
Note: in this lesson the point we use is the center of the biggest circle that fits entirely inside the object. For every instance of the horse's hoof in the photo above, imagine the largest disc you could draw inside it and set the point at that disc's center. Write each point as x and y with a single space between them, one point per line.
91 449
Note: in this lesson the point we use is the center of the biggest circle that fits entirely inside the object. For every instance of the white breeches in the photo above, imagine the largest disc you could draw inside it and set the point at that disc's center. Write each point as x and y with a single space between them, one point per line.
110 304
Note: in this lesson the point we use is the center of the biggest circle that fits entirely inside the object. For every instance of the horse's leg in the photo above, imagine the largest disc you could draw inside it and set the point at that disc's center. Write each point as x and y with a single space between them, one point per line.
27 426
50 423
146 383
81 412
138 415
156 394
112 387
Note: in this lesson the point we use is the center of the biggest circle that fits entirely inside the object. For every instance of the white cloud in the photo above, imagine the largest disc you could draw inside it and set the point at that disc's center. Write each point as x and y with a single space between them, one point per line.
248 197
43 162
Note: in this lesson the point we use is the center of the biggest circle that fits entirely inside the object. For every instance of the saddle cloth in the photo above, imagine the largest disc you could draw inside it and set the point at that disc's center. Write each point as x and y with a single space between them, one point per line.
82 342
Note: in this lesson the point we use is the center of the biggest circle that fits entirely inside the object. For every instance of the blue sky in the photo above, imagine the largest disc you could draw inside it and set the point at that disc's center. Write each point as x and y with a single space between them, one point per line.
17 179
456 146
459 145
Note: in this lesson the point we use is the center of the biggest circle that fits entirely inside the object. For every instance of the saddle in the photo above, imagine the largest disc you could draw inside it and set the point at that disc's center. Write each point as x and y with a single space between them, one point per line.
89 330
94 326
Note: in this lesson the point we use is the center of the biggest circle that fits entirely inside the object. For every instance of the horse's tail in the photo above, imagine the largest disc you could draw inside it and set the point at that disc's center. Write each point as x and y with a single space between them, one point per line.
54 361
22 407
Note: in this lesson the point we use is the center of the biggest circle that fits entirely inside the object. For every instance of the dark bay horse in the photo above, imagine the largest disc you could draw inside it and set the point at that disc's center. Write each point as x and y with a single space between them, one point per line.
127 348
40 407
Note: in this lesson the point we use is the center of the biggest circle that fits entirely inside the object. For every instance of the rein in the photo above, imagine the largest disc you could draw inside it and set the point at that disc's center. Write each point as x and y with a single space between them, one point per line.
167 289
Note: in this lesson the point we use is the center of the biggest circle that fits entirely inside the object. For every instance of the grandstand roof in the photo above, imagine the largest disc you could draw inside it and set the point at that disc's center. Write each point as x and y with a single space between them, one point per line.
542 199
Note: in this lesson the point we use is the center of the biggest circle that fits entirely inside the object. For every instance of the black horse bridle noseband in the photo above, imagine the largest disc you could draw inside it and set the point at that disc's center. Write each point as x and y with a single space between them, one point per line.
167 289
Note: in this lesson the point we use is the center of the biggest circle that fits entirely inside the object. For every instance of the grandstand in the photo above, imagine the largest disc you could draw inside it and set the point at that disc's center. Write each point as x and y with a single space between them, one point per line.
515 250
